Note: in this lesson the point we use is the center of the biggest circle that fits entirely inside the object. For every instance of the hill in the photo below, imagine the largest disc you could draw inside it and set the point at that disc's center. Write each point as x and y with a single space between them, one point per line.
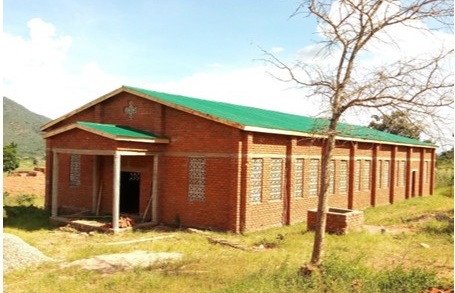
21 126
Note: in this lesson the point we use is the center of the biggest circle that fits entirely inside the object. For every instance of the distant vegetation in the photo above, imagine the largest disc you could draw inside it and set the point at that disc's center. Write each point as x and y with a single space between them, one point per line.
21 126
10 159
444 172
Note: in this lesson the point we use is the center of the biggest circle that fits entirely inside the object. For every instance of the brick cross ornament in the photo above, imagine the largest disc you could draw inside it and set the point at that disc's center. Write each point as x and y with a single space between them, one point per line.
130 110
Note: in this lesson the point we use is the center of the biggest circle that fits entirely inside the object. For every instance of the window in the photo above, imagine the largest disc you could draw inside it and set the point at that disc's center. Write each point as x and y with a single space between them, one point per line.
298 178
386 174
379 175
425 172
332 177
196 179
343 176
256 180
366 175
401 173
75 170
276 174
357 175
314 177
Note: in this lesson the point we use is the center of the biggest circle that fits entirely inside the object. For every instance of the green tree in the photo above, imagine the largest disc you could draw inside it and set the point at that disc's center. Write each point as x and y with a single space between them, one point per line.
397 122
10 158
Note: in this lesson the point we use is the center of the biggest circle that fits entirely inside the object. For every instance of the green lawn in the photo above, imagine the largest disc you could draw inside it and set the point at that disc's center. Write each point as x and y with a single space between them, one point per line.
357 262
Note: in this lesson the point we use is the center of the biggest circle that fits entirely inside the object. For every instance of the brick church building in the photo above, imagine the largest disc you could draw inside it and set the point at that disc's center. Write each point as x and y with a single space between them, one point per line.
174 159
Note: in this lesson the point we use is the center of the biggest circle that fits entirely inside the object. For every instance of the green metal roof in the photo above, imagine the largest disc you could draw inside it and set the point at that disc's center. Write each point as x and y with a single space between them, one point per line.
118 130
255 117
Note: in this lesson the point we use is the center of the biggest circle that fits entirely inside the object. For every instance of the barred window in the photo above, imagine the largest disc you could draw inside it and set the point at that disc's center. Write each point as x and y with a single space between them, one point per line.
379 174
276 174
314 177
425 172
256 180
386 174
75 170
366 175
196 179
401 173
332 177
298 178
357 175
343 176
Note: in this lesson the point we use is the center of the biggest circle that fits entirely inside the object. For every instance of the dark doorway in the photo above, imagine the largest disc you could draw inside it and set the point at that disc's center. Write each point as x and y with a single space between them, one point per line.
130 183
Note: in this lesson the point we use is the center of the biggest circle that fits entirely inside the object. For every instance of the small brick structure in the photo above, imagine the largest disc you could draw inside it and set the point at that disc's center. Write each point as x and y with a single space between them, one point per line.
339 221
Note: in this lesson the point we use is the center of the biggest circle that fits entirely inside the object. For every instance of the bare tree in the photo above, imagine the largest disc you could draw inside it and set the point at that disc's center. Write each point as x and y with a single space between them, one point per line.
338 76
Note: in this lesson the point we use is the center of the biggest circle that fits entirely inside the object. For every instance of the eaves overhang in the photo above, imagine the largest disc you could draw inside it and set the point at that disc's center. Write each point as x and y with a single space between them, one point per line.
111 131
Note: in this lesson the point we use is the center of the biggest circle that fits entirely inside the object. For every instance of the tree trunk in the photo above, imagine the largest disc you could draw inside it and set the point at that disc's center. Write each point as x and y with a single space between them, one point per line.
321 216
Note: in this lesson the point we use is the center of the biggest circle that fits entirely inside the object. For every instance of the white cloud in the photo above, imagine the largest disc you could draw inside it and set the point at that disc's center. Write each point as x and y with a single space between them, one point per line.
277 49
252 86
35 75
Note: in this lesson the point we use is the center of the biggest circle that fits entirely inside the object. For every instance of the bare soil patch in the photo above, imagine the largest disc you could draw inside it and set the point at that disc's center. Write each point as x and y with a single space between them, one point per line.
111 263
25 184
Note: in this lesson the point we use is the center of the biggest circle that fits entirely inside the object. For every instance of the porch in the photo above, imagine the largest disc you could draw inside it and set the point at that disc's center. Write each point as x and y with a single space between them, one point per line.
93 166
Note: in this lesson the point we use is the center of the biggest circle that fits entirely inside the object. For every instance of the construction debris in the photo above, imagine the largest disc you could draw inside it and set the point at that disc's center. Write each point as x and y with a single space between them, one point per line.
123 222
227 243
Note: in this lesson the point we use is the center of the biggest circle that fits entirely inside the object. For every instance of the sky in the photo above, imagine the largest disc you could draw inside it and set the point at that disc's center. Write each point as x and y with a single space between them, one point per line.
61 54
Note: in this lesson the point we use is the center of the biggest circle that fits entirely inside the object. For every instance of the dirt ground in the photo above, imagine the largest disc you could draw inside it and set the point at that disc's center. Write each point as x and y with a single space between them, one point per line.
23 184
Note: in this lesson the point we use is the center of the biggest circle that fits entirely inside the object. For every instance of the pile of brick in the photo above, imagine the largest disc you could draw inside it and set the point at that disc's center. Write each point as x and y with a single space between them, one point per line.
123 222
23 173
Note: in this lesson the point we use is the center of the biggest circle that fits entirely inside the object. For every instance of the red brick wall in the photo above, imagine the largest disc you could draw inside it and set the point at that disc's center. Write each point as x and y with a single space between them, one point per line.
293 209
148 114
193 136
78 195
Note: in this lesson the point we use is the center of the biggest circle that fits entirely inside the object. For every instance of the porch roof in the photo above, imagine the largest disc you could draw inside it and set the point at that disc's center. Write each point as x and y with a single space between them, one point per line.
112 131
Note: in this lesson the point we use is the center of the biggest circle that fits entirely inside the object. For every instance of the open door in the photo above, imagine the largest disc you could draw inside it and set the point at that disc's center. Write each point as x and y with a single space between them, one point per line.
130 183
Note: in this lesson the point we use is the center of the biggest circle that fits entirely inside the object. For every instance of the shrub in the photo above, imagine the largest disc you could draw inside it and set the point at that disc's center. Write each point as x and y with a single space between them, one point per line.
444 177
402 280
26 199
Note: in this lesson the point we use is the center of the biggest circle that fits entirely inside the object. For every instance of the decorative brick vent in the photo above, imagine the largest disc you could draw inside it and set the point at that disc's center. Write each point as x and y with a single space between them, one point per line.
339 221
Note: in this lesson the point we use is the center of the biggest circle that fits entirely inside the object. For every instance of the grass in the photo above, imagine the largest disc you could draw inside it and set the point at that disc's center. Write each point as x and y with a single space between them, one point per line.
357 262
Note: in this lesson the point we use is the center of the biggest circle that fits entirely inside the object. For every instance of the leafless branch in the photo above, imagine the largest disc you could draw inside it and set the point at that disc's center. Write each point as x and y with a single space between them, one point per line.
421 85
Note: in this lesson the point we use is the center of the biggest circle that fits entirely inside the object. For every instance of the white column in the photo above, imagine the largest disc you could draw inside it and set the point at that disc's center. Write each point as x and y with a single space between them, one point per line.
55 171
155 190
116 192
